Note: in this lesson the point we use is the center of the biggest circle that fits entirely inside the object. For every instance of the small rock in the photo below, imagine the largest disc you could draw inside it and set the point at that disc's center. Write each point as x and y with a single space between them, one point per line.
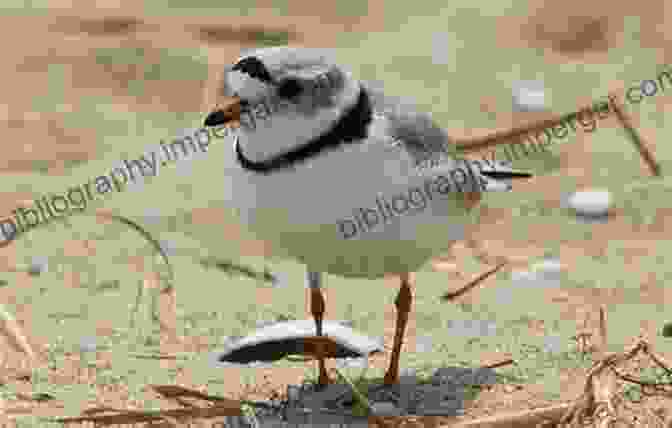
548 266
423 344
440 49
152 216
38 265
465 328
592 203
523 276
528 96
88 344
554 344
277 280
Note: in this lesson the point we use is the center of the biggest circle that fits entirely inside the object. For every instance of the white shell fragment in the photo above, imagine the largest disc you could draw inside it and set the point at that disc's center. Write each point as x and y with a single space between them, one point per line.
274 342
591 202
528 95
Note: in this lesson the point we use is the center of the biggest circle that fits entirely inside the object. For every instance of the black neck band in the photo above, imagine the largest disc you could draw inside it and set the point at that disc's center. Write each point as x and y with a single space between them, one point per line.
350 127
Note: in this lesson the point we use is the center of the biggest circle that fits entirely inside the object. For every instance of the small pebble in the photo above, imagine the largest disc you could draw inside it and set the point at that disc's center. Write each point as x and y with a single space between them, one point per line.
151 216
591 202
38 265
548 266
88 344
523 275
440 51
528 96
554 344
423 344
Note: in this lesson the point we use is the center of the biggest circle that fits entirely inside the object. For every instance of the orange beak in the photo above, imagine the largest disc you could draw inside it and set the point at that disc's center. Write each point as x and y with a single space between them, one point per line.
226 113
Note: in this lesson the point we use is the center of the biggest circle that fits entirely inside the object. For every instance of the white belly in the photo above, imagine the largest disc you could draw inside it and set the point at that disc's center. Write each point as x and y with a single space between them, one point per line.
362 211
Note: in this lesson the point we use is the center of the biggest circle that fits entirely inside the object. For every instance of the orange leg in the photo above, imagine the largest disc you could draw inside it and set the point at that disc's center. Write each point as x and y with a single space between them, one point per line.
317 310
403 304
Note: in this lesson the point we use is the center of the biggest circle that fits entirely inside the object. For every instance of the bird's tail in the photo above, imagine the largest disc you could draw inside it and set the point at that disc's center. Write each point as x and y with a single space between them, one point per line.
495 176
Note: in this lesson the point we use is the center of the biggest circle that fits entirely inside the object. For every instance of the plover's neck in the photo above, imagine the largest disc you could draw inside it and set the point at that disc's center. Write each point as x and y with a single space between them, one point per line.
351 127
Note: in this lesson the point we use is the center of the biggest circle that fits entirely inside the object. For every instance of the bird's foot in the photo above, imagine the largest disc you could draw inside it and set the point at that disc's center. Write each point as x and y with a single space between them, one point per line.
391 378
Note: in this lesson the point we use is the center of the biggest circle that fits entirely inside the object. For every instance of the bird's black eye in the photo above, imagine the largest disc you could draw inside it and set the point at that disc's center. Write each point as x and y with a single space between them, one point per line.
217 117
254 68
289 88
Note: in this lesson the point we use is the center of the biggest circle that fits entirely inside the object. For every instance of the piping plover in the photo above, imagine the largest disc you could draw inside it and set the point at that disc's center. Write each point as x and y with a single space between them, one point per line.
332 154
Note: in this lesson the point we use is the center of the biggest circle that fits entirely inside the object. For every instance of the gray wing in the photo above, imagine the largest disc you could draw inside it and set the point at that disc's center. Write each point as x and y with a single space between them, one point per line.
416 130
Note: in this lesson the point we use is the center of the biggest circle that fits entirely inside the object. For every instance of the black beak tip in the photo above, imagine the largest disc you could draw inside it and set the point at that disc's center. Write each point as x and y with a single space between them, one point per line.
217 117
507 174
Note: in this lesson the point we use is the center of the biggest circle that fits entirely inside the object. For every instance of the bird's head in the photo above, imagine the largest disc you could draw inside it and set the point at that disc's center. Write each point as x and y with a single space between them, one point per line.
305 91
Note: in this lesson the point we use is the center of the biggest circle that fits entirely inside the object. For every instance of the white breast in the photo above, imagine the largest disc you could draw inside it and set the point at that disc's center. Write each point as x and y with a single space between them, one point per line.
299 209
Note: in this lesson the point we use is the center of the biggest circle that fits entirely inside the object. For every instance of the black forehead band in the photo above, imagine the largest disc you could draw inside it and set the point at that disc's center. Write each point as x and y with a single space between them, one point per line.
253 67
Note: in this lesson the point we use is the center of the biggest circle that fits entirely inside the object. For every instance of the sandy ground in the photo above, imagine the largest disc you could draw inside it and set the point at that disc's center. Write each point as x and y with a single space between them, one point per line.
70 41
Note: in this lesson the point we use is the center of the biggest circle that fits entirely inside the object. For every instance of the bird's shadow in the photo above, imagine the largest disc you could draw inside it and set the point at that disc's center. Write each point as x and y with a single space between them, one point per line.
449 391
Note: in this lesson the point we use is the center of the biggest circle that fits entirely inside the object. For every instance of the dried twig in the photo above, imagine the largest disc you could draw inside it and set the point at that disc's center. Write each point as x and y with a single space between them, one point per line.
14 332
600 388
534 418
603 329
451 295
636 138
137 416
499 364
169 289
469 145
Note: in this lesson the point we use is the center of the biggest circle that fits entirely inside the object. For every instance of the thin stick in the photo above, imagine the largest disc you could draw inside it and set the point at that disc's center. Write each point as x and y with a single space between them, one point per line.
451 295
636 138
501 137
498 138
603 328
14 333
545 416
498 364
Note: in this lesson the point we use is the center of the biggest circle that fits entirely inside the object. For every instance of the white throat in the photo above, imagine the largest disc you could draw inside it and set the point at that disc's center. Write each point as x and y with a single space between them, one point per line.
267 134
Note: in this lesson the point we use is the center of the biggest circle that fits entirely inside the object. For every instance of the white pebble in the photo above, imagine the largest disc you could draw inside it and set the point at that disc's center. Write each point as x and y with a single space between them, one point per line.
529 95
523 275
440 52
590 202
548 268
